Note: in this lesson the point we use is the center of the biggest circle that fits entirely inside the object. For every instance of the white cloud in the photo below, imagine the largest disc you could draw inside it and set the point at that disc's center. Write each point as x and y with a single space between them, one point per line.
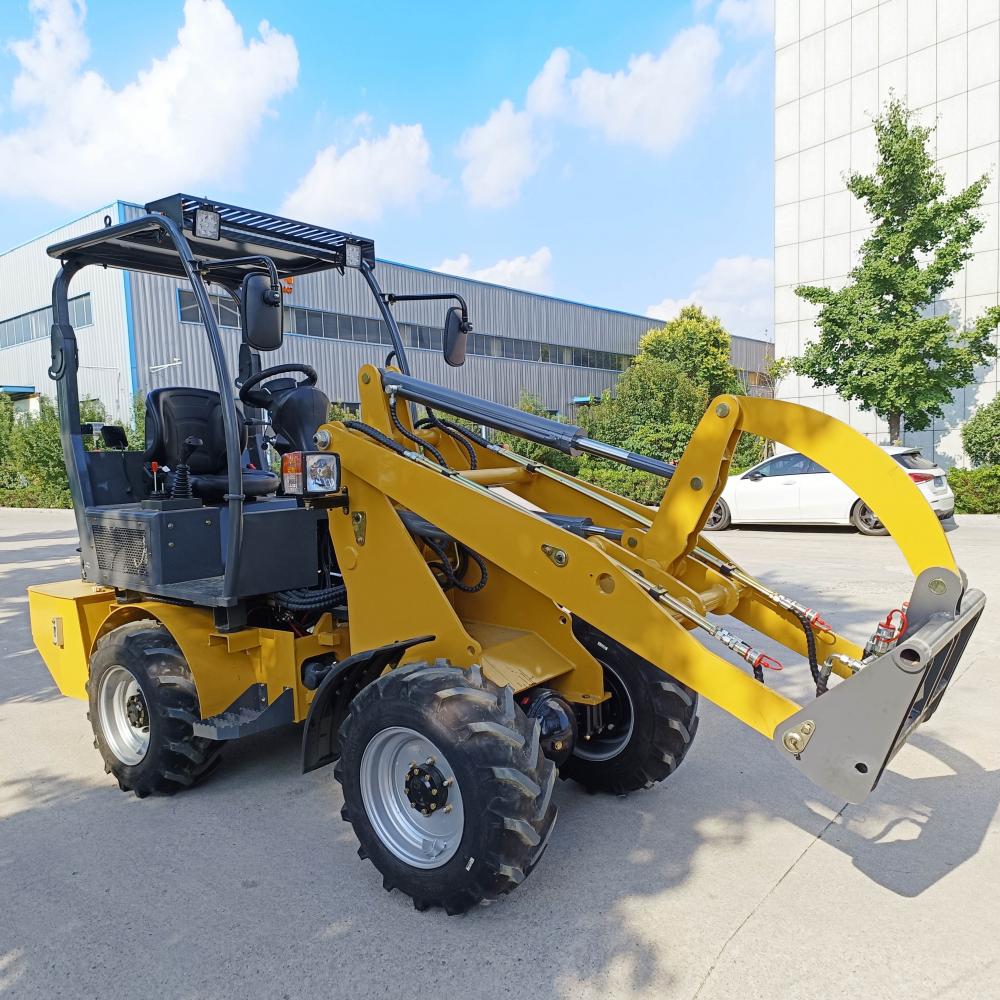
653 103
749 17
739 290
372 175
547 92
530 273
743 75
501 154
185 121
656 101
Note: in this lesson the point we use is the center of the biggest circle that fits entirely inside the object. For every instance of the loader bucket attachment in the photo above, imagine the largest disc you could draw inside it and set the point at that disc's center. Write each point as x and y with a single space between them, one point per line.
844 740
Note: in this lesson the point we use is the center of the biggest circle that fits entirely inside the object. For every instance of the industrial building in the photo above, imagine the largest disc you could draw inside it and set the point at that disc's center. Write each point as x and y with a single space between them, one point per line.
836 66
139 331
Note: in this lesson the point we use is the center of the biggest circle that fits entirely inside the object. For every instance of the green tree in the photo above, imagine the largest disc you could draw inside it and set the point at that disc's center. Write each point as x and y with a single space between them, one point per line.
879 344
981 435
659 400
699 345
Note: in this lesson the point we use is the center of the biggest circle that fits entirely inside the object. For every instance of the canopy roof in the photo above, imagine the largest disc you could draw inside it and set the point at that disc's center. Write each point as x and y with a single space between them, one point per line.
142 244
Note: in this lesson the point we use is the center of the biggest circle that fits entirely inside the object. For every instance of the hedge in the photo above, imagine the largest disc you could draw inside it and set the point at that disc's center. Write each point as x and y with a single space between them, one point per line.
977 491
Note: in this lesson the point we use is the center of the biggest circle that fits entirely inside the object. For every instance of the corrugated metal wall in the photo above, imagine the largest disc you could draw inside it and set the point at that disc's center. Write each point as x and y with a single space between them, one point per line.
25 281
160 336
26 275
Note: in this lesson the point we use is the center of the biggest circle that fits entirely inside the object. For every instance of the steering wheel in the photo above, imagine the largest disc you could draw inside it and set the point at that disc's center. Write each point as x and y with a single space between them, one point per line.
261 398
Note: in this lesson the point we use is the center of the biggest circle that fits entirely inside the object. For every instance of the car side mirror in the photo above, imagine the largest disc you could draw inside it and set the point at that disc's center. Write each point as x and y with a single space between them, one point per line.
755 477
261 313
456 336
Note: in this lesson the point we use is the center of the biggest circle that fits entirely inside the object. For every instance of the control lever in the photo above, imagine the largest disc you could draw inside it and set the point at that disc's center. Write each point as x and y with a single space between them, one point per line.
180 489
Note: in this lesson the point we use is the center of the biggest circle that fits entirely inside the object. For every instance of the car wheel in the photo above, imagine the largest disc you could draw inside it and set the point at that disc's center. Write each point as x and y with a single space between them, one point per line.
863 518
720 518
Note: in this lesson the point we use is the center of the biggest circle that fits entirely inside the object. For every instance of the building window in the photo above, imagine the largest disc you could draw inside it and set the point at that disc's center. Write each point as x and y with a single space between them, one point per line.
222 306
365 330
37 325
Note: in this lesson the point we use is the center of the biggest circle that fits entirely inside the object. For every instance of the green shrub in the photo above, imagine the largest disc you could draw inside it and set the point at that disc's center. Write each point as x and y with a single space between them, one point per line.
981 435
32 472
977 491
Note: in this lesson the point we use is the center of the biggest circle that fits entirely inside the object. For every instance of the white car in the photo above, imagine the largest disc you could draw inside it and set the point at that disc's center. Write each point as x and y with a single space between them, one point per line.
793 489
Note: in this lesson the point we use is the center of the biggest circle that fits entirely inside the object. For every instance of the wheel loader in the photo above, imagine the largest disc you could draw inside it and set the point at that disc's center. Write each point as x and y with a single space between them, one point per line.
452 624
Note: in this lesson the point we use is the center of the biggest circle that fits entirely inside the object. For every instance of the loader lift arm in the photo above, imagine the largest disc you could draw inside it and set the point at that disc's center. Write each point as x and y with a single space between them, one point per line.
653 587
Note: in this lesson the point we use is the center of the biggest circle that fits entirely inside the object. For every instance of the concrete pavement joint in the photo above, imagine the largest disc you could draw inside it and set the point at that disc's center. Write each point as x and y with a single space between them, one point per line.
763 899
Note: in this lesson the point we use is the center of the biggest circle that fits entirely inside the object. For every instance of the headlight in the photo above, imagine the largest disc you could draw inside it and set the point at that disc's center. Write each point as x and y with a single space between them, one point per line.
322 473
310 473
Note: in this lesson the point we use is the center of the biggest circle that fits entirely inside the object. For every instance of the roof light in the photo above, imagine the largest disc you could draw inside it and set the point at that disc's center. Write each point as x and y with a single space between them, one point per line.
352 254
207 224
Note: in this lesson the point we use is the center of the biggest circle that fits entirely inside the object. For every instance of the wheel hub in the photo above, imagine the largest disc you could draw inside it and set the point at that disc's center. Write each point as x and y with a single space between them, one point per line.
426 787
135 709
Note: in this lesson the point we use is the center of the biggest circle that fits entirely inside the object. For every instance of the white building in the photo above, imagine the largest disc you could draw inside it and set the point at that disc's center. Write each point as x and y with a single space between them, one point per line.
836 64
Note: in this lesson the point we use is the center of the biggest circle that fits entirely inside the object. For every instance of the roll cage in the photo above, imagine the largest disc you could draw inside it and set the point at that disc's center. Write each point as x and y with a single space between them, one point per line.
167 240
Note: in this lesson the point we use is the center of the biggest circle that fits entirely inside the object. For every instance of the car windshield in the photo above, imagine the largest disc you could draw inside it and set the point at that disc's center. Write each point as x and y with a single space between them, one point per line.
913 460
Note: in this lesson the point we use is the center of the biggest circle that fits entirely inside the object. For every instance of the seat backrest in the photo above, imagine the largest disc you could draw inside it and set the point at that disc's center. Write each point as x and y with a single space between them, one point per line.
179 412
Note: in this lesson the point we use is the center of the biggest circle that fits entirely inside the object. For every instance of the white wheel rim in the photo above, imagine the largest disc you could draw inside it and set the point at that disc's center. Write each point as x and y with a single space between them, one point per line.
716 517
421 841
121 707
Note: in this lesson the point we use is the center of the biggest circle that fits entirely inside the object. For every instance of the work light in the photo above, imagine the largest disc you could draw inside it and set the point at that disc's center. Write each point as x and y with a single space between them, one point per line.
352 255
207 224
310 473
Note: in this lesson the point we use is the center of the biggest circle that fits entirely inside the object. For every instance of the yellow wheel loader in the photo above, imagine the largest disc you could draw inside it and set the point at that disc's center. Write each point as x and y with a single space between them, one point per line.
452 623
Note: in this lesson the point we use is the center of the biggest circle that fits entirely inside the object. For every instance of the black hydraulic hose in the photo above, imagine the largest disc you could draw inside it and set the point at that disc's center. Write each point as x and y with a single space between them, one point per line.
471 435
818 680
375 434
432 420
450 573
311 600
415 438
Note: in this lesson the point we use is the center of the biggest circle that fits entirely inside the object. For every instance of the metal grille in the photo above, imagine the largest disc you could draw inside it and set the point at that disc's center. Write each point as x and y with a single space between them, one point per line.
121 549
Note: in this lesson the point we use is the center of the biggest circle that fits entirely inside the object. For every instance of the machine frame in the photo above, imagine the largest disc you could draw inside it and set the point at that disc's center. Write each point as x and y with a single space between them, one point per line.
555 553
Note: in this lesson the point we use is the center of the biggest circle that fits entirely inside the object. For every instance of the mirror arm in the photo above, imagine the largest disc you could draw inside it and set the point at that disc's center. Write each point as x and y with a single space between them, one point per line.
206 268
391 298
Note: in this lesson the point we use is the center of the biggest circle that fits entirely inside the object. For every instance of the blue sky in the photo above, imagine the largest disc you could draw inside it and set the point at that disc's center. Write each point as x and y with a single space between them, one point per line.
613 154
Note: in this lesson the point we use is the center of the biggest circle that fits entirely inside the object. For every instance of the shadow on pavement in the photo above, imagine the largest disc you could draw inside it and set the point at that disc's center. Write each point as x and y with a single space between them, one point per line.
224 889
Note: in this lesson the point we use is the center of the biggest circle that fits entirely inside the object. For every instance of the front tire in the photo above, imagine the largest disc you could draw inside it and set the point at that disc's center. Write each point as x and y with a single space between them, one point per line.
427 737
143 704
650 722
863 518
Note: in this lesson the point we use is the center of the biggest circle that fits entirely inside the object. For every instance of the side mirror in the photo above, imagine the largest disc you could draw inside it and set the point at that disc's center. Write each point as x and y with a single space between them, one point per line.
456 336
755 477
261 313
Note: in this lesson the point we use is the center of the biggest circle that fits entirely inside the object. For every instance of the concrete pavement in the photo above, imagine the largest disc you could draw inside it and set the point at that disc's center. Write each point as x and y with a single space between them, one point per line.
736 878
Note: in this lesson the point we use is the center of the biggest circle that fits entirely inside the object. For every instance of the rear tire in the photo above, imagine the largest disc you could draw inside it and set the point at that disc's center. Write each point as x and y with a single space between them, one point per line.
863 518
720 518
656 719
500 787
143 704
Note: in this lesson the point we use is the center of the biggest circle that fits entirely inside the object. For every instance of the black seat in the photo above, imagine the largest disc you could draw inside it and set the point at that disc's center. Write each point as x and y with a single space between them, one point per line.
179 412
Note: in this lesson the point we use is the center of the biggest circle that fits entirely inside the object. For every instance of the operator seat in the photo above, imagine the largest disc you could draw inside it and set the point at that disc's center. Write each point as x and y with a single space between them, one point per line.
179 412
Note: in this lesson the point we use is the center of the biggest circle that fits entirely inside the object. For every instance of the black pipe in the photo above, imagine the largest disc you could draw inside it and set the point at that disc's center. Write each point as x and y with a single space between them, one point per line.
63 371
